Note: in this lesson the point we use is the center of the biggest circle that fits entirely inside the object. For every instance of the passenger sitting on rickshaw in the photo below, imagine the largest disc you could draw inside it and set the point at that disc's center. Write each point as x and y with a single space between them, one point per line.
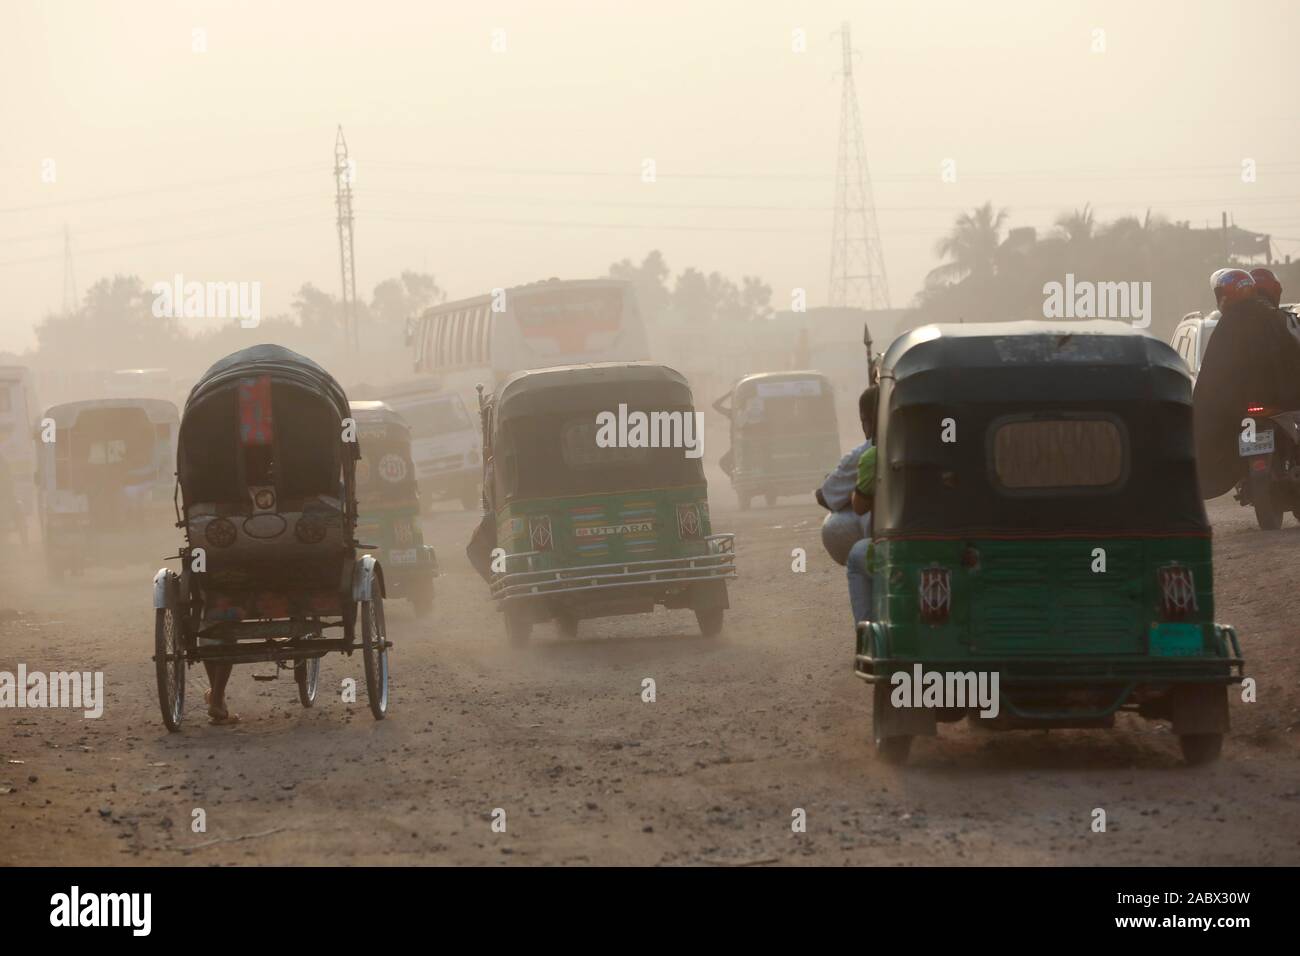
843 528
864 493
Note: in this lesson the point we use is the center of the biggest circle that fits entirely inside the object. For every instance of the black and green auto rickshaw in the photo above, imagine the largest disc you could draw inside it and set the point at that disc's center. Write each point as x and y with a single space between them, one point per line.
601 507
784 434
1037 518
390 505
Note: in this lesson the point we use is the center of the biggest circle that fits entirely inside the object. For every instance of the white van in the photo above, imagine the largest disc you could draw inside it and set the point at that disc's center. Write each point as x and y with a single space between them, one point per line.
446 440
1191 336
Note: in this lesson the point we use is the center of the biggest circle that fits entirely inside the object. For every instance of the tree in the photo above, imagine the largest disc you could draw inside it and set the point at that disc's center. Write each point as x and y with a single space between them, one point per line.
971 247
1077 226
650 280
398 299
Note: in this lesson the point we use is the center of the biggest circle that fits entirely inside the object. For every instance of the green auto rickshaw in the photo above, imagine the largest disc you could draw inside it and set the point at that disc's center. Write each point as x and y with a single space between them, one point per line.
390 505
1037 523
784 434
594 475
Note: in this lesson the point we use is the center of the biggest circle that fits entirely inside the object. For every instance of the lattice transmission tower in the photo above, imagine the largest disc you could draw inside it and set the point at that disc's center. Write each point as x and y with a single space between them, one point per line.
343 175
857 261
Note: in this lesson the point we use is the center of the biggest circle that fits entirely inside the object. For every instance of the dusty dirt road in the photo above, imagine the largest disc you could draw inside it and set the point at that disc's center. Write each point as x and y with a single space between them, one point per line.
745 729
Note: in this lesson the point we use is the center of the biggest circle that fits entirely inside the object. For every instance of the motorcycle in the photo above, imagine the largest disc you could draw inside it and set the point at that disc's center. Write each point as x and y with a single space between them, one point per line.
1269 443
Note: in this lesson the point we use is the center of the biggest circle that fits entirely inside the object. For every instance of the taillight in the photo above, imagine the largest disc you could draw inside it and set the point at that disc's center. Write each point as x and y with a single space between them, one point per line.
1177 592
935 595
539 532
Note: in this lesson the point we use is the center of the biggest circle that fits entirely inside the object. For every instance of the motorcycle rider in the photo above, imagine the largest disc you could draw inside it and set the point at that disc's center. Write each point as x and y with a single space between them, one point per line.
1251 359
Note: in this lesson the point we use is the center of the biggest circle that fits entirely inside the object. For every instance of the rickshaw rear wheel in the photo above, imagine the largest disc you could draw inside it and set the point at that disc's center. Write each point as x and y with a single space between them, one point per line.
744 501
374 653
169 666
892 750
307 675
769 499
1199 749
709 620
567 625
518 628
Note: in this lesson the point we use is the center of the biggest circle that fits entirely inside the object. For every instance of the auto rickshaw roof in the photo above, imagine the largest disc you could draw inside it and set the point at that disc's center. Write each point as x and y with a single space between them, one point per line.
578 388
1034 349
157 410
377 413
795 376
278 362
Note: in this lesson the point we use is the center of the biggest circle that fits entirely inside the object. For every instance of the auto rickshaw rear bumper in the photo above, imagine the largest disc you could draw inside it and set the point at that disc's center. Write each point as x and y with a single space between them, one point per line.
1034 690
718 564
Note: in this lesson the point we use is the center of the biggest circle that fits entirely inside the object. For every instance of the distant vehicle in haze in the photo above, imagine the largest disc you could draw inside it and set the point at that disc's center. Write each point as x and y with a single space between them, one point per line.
446 442
18 410
485 339
1191 336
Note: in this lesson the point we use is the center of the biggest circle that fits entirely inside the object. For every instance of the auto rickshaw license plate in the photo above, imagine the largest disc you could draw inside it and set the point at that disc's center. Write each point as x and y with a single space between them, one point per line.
402 556
1175 640
1262 445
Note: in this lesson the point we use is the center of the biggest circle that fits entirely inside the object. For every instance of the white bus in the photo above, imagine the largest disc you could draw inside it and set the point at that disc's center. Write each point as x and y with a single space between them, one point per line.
540 325
18 412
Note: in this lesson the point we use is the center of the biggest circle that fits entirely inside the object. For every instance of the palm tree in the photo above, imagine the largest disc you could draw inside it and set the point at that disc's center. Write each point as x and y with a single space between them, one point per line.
1077 225
971 248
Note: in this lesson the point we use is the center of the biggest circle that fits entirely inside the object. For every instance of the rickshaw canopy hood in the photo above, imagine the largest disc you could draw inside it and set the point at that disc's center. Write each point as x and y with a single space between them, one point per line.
157 410
956 397
277 361
581 388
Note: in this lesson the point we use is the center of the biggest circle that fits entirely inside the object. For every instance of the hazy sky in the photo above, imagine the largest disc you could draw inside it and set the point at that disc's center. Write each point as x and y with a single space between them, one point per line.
492 168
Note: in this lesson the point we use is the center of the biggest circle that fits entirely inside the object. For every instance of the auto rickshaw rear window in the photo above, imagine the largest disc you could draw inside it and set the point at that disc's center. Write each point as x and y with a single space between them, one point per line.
1059 454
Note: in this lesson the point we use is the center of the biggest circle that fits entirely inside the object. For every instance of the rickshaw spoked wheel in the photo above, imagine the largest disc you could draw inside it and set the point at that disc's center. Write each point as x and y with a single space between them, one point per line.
169 665
1200 749
307 675
892 750
710 620
374 652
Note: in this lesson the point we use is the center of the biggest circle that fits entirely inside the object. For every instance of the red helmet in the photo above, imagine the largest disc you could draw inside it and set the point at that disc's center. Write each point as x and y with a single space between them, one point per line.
1267 287
1231 285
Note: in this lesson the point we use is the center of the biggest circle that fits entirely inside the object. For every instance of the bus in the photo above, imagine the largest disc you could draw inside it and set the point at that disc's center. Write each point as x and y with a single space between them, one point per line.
485 339
18 411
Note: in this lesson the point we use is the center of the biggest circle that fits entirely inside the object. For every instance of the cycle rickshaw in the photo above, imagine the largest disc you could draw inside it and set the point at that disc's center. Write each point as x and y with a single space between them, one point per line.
266 474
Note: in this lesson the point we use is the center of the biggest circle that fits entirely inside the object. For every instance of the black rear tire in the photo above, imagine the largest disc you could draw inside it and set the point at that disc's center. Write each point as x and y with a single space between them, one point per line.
422 600
1268 511
745 501
567 625
1200 749
769 500
374 653
894 749
518 628
169 666
710 620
